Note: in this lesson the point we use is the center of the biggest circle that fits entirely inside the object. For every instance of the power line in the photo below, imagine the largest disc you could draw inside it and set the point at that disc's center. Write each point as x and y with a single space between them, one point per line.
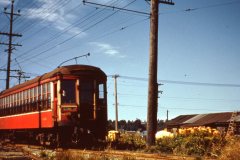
48 25
104 35
80 21
200 8
198 109
184 82
68 39
122 28
57 35
213 5
118 8
48 12
174 108
183 98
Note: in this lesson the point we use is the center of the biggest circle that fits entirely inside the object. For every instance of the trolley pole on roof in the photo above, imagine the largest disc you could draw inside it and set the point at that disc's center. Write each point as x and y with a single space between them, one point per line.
152 82
116 101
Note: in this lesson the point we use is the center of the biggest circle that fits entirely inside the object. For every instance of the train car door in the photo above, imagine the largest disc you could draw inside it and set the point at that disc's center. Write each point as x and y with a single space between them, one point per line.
86 100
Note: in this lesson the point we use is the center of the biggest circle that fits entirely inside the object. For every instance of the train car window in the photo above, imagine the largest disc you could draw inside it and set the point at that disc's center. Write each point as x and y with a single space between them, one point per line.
31 98
68 91
1 107
48 95
22 102
40 97
5 105
101 91
25 100
7 102
35 99
44 95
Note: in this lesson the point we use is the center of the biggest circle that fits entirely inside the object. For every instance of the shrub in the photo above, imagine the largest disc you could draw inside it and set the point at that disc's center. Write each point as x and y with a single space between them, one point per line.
130 141
197 143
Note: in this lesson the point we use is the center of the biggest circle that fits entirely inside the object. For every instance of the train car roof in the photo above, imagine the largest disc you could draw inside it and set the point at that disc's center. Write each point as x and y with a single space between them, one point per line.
60 71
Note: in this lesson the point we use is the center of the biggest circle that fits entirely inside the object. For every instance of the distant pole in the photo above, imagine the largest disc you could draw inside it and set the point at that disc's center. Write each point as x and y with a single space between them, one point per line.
152 81
116 101
167 115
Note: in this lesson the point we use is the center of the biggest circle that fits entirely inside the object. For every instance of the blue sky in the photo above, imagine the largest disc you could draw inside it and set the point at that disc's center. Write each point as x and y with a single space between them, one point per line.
201 45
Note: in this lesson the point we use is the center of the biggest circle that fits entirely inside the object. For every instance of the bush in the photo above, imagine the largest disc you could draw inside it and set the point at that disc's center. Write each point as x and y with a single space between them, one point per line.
197 143
130 141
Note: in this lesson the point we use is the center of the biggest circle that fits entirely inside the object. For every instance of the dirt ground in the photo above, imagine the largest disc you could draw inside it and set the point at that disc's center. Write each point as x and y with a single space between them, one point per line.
10 151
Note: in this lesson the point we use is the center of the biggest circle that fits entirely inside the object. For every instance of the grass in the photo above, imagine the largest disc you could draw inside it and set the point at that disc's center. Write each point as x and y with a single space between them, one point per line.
69 155
232 150
198 145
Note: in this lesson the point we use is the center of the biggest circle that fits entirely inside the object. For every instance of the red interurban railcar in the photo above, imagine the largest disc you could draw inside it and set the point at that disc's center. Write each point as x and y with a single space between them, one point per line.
68 104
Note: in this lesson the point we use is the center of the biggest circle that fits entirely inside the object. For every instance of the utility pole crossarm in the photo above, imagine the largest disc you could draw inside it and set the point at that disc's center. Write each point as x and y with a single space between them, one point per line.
169 2
15 14
13 34
7 44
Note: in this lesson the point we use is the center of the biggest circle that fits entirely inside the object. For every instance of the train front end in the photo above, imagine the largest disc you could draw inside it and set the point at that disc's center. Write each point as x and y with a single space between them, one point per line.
80 103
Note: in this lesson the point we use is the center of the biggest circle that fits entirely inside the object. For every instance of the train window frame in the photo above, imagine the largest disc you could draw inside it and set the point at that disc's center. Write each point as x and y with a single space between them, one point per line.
44 95
101 91
65 93
48 95
0 106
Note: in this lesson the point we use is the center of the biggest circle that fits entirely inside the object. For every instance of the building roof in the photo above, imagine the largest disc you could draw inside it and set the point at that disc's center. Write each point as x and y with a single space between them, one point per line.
202 119
180 119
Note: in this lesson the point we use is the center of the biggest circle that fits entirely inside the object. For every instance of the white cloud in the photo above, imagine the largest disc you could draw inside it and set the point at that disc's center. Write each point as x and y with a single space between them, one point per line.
107 49
4 2
48 13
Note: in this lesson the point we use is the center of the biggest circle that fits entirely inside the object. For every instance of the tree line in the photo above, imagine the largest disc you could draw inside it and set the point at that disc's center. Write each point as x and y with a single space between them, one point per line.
133 125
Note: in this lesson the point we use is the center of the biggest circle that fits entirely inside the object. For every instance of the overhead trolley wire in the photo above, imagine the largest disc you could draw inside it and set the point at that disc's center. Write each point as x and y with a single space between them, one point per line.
48 25
54 37
184 82
87 17
68 39
20 22
52 10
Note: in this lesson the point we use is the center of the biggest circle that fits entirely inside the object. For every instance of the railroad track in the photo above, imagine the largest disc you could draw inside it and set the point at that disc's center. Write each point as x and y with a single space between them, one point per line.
38 152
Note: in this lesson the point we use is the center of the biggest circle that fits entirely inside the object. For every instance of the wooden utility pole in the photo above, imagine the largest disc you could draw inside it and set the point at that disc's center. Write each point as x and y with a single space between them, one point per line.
116 101
152 82
10 35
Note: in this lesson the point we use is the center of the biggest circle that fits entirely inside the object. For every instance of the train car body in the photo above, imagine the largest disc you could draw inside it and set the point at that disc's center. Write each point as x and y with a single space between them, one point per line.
66 104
